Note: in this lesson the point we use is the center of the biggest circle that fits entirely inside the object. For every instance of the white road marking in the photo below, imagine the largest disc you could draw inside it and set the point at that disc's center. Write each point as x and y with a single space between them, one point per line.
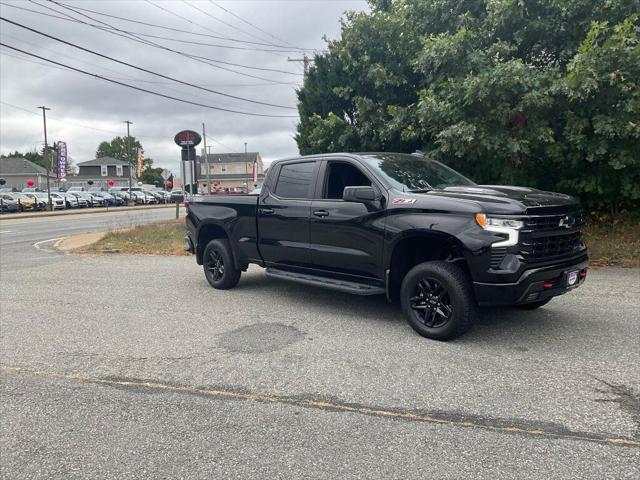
37 244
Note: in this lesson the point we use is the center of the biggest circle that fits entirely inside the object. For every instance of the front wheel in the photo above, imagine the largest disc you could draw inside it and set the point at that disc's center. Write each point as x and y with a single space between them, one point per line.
437 300
218 265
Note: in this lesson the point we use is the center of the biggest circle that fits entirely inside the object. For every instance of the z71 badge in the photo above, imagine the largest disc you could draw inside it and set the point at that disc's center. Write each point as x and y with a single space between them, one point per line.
403 201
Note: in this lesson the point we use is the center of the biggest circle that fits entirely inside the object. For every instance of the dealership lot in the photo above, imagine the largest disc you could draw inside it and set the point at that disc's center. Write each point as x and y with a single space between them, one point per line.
146 371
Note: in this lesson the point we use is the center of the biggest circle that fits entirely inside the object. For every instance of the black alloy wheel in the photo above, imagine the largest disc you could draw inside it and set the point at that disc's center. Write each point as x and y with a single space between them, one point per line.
431 303
218 264
437 300
215 265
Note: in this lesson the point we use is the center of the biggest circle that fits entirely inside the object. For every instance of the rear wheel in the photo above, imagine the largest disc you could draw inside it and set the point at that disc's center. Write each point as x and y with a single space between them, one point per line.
437 300
218 265
534 305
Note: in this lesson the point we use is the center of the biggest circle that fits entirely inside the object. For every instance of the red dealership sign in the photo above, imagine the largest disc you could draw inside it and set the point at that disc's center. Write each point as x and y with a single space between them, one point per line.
187 138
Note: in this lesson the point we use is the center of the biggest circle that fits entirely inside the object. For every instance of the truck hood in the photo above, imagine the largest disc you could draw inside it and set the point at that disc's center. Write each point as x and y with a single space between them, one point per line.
502 199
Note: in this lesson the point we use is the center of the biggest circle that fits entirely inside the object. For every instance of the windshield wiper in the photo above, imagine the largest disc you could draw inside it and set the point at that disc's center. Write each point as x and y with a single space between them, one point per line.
421 190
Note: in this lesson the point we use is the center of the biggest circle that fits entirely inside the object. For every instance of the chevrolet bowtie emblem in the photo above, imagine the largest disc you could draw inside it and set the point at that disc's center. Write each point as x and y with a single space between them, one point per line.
567 221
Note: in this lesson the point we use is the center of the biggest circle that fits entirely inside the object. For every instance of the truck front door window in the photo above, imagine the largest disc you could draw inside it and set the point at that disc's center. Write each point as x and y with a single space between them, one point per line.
343 175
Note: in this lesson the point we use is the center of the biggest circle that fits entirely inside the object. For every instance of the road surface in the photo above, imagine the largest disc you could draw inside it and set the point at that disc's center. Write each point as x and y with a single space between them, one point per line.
17 236
133 367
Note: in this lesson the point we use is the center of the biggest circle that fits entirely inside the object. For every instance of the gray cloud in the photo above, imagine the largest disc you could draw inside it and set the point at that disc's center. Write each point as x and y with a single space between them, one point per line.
78 99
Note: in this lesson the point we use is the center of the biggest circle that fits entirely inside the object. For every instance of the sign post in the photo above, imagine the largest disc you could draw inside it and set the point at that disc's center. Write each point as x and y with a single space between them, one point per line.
165 176
188 140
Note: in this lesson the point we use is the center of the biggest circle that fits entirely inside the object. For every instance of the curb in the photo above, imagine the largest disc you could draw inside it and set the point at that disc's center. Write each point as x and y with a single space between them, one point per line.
17 216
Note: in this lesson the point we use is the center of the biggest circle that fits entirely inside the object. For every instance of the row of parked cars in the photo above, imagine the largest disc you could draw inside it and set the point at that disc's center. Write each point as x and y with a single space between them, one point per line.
76 197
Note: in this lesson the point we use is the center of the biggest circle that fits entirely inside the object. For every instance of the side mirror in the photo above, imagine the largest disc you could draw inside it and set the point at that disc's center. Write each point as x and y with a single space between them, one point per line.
359 194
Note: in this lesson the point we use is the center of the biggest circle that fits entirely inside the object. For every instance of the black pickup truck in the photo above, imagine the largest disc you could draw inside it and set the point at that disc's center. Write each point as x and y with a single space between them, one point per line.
398 225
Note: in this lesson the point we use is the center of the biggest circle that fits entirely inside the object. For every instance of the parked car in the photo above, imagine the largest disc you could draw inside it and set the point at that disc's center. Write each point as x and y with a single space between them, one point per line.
121 194
71 201
397 225
56 202
150 197
177 196
40 203
8 203
155 194
108 198
140 198
75 189
97 201
83 202
25 202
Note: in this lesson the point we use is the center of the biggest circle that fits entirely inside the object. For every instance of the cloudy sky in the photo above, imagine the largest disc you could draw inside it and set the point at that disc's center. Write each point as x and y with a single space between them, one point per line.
245 59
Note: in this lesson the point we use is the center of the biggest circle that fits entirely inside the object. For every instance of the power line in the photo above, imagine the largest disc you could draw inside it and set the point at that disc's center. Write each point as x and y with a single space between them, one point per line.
27 59
133 36
177 30
220 143
143 69
68 18
58 120
146 90
235 27
250 24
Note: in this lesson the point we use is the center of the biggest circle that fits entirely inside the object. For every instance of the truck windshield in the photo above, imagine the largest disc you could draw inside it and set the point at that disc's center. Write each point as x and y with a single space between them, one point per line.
411 173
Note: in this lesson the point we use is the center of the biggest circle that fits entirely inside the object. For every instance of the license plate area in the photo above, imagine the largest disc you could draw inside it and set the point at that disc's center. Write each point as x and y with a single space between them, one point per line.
572 278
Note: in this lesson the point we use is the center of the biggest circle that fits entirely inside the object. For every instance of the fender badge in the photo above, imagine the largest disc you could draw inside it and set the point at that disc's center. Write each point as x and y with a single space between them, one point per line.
403 201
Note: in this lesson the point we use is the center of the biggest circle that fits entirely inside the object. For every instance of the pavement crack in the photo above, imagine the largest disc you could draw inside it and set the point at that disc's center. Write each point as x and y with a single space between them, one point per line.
452 419
627 399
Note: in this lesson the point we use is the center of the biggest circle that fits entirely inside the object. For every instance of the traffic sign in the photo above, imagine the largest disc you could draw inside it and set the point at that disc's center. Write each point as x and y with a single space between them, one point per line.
166 174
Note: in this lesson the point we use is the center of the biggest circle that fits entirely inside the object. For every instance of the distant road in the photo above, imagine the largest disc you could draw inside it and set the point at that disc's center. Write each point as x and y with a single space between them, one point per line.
18 236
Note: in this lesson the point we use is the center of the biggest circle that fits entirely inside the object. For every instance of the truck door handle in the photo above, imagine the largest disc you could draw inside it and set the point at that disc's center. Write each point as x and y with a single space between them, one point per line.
266 211
321 213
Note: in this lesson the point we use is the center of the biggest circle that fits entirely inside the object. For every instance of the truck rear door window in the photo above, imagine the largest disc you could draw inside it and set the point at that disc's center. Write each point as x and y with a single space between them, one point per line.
295 180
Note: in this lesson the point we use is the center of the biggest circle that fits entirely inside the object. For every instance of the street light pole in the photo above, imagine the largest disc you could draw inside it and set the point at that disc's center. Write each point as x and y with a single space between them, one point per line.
47 160
129 156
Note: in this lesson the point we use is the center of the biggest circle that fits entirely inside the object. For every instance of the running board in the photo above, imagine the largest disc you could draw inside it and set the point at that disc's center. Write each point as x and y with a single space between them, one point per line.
324 282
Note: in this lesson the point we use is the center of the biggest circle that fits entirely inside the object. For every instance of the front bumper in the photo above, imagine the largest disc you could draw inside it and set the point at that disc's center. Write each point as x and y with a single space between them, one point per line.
534 285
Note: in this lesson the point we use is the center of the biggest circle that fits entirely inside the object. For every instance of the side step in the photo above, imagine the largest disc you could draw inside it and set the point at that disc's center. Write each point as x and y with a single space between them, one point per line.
324 282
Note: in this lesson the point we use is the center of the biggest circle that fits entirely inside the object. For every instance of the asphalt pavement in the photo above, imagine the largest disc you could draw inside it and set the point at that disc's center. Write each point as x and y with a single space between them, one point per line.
133 367
18 235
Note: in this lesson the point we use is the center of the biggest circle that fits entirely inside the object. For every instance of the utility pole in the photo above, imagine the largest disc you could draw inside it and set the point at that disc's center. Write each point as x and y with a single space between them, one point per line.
206 156
305 61
246 171
129 156
47 159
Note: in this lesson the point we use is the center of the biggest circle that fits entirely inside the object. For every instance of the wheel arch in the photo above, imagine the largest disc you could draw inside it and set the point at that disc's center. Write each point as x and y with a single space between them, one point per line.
418 246
211 230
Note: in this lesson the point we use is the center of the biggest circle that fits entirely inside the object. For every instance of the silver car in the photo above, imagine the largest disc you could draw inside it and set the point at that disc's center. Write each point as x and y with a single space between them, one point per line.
70 200
56 202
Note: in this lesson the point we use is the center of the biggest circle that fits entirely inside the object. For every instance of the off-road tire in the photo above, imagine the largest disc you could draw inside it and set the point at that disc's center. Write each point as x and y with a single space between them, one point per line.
219 268
458 298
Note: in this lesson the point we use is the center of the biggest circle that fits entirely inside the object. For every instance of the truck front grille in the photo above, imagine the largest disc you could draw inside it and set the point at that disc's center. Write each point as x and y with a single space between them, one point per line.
542 248
553 222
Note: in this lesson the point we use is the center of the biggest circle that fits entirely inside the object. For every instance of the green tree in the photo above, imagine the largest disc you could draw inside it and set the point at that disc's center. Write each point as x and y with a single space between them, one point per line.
117 148
152 176
537 92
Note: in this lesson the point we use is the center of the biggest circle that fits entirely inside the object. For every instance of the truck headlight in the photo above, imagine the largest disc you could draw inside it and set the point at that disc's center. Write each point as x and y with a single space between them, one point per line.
507 227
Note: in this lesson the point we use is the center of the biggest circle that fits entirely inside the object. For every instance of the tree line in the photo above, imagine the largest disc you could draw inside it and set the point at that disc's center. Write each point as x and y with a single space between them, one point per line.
544 93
